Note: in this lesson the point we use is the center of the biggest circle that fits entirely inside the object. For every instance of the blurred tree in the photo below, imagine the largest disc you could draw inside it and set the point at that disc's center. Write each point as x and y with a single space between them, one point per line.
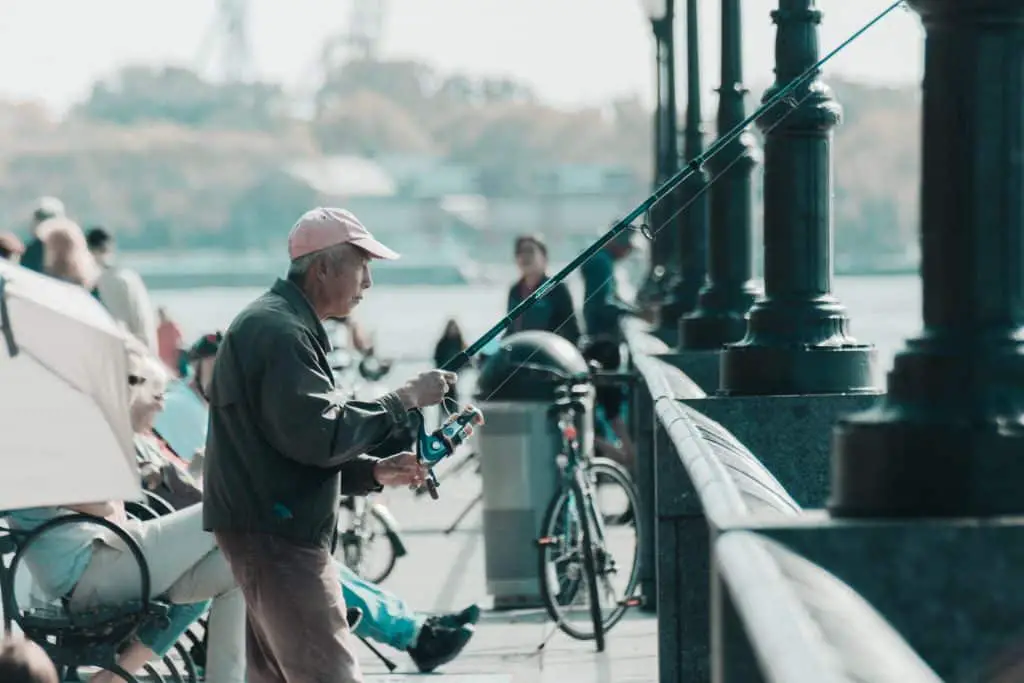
138 94
261 215
406 83
367 123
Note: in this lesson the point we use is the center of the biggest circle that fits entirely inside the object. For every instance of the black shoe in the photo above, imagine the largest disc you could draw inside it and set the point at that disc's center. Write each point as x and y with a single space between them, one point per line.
470 615
438 644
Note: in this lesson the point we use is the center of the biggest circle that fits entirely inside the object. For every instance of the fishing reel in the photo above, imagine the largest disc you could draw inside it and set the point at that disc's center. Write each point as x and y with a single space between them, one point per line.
434 447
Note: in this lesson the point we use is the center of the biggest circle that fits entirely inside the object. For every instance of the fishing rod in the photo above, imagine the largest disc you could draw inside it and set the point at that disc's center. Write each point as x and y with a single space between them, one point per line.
435 446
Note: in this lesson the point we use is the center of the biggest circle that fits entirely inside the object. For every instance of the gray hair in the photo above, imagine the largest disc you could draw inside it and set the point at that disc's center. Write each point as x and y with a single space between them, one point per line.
336 257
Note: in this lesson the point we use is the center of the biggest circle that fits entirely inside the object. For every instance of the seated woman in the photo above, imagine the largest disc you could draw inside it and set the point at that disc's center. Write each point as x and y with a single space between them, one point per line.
431 641
88 566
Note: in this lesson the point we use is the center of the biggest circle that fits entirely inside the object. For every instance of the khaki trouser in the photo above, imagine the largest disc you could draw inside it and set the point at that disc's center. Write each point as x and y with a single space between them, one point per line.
186 567
296 631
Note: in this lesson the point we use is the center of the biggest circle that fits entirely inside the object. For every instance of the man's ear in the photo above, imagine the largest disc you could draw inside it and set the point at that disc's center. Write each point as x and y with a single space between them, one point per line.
320 267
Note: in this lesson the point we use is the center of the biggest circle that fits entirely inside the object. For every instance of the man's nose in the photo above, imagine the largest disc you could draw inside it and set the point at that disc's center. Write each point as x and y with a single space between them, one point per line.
367 279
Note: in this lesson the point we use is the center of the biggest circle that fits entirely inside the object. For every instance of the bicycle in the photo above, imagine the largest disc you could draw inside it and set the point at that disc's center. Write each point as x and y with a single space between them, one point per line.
363 526
575 543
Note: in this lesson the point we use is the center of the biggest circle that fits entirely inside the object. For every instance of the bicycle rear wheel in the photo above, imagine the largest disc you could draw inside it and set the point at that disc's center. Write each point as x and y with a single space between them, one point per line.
585 510
614 504
568 563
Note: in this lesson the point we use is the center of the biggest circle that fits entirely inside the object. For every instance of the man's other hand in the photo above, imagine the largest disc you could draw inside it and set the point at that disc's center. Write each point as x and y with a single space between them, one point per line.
401 469
651 313
427 389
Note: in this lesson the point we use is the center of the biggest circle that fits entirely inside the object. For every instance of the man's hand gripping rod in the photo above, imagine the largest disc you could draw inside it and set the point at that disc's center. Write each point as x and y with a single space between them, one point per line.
434 447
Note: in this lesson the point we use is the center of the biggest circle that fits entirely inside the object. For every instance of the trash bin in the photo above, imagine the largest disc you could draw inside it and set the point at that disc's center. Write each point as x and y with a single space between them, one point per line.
517 446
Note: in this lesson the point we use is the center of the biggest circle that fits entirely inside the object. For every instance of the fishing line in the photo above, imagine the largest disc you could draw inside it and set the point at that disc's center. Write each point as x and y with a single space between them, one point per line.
697 195
694 166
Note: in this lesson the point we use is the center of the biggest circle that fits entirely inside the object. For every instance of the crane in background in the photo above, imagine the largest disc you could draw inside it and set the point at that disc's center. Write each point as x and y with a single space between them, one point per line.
226 51
361 38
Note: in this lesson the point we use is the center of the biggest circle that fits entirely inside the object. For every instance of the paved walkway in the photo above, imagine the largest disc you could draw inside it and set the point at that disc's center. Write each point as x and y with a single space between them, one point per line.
444 573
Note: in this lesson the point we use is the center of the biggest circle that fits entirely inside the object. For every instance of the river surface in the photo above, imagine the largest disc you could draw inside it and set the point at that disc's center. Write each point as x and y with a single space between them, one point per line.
406 321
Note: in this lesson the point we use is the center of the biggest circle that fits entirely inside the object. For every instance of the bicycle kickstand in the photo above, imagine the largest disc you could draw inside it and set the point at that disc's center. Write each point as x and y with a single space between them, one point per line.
462 515
380 655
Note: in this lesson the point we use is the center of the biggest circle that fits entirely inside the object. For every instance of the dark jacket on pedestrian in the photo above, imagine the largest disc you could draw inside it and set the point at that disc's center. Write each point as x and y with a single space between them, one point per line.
281 448
32 258
554 312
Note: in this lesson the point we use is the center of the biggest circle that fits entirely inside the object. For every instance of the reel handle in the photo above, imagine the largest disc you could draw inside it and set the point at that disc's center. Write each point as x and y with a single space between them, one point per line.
443 441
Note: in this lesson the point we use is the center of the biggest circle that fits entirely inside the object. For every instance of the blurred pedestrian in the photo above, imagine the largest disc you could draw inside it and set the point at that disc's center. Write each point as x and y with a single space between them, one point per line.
450 345
46 209
121 289
11 247
67 255
555 312
170 343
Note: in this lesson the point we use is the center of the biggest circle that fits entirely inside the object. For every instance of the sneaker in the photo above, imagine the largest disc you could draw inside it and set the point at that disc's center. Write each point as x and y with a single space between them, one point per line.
470 615
438 644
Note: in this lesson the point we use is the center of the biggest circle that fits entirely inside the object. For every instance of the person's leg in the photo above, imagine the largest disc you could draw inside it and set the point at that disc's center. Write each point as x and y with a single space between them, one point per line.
386 617
161 640
154 642
172 545
430 640
187 568
212 577
296 616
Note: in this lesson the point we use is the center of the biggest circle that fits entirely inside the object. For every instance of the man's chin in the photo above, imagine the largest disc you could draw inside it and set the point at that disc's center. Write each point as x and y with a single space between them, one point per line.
343 312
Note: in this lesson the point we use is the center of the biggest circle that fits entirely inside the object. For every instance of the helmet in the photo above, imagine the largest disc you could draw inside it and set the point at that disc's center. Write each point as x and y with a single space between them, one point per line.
205 347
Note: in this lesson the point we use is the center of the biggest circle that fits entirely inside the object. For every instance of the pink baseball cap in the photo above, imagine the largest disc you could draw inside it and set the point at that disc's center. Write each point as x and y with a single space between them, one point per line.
322 228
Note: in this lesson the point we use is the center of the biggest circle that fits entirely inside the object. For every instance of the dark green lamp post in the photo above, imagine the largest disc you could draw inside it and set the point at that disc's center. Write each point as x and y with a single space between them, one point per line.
691 225
730 290
798 339
948 439
664 267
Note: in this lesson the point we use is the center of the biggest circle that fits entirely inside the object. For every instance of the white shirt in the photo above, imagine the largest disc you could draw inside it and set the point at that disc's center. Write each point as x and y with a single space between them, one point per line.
125 296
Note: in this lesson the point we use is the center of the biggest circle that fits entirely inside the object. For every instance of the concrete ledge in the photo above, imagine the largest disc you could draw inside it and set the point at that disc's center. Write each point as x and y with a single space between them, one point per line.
704 481
657 379
950 587
781 619
703 367
792 435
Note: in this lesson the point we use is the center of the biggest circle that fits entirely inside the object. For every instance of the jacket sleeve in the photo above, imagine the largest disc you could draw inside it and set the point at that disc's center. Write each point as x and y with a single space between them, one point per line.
357 476
303 418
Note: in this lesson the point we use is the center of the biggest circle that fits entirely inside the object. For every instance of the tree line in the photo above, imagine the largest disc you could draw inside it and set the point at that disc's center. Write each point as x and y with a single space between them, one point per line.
168 158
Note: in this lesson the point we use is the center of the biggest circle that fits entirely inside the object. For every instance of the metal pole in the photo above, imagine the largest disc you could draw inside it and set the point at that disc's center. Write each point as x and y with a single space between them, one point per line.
689 227
948 438
666 156
798 339
726 298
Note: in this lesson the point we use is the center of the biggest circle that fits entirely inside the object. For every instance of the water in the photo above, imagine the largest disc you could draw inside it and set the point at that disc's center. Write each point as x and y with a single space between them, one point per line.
407 321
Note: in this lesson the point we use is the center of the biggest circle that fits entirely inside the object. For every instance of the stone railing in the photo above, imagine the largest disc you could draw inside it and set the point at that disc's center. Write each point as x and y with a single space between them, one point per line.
782 619
725 597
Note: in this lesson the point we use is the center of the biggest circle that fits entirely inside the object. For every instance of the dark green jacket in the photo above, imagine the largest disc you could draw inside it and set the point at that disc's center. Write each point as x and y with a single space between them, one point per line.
553 313
280 447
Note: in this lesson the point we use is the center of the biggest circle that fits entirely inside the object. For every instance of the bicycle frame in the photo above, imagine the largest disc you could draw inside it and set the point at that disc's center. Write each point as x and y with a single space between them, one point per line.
569 461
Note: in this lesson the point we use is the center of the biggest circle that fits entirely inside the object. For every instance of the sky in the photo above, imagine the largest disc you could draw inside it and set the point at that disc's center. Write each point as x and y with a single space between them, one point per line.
573 52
